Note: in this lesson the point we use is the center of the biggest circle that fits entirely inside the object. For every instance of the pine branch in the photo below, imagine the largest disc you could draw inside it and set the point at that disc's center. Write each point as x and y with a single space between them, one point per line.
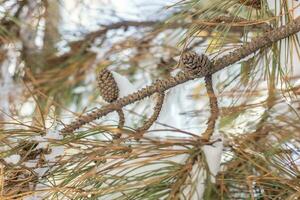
214 110
121 118
140 131
257 43
236 21
162 85
90 37
121 121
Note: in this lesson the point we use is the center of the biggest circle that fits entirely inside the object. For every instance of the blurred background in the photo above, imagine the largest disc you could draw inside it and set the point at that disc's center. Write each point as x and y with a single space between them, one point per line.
52 50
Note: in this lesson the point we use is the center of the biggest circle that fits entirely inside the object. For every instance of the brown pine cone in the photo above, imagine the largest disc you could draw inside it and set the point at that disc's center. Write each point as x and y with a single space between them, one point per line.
195 64
107 85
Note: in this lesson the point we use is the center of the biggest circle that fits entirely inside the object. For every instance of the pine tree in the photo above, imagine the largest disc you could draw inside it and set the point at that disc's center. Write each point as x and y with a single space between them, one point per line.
195 100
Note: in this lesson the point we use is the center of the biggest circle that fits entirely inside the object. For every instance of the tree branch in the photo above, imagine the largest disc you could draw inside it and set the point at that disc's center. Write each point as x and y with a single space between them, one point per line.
214 110
140 131
162 85
240 22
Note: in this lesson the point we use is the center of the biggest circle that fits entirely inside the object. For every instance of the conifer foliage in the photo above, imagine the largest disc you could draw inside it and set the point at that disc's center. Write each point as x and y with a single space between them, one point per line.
188 99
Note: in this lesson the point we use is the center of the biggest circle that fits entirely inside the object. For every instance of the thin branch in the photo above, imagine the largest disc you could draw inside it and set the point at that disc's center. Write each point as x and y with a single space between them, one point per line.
236 21
257 43
121 118
214 110
123 24
121 121
162 85
90 37
160 99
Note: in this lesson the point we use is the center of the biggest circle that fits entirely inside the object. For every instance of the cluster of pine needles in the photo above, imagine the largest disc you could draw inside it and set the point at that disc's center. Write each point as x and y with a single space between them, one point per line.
261 157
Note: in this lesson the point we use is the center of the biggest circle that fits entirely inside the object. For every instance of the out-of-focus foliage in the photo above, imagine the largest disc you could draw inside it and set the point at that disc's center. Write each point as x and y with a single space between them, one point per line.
51 51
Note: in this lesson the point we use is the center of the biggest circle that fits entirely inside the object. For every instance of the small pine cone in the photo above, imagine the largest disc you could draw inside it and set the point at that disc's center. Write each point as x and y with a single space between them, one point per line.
107 85
196 64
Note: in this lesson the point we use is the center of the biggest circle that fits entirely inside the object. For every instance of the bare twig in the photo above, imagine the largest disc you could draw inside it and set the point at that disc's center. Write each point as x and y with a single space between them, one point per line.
121 118
121 121
236 21
214 110
160 99
89 38
162 85
123 24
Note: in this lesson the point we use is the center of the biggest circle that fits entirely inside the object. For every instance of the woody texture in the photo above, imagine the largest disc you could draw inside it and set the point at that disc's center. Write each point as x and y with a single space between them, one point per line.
107 85
196 66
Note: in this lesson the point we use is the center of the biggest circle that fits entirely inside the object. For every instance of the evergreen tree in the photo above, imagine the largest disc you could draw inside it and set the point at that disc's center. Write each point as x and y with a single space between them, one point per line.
191 99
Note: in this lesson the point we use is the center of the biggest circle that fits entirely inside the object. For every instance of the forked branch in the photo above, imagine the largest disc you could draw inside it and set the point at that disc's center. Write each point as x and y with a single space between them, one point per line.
161 86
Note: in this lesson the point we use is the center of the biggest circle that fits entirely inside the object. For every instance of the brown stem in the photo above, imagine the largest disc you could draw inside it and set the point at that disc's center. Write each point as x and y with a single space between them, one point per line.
160 99
84 43
257 43
162 85
121 118
236 21
121 123
214 110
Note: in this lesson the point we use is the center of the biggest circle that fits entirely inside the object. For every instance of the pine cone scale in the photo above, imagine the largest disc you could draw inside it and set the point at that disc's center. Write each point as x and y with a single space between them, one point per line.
107 85
195 64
